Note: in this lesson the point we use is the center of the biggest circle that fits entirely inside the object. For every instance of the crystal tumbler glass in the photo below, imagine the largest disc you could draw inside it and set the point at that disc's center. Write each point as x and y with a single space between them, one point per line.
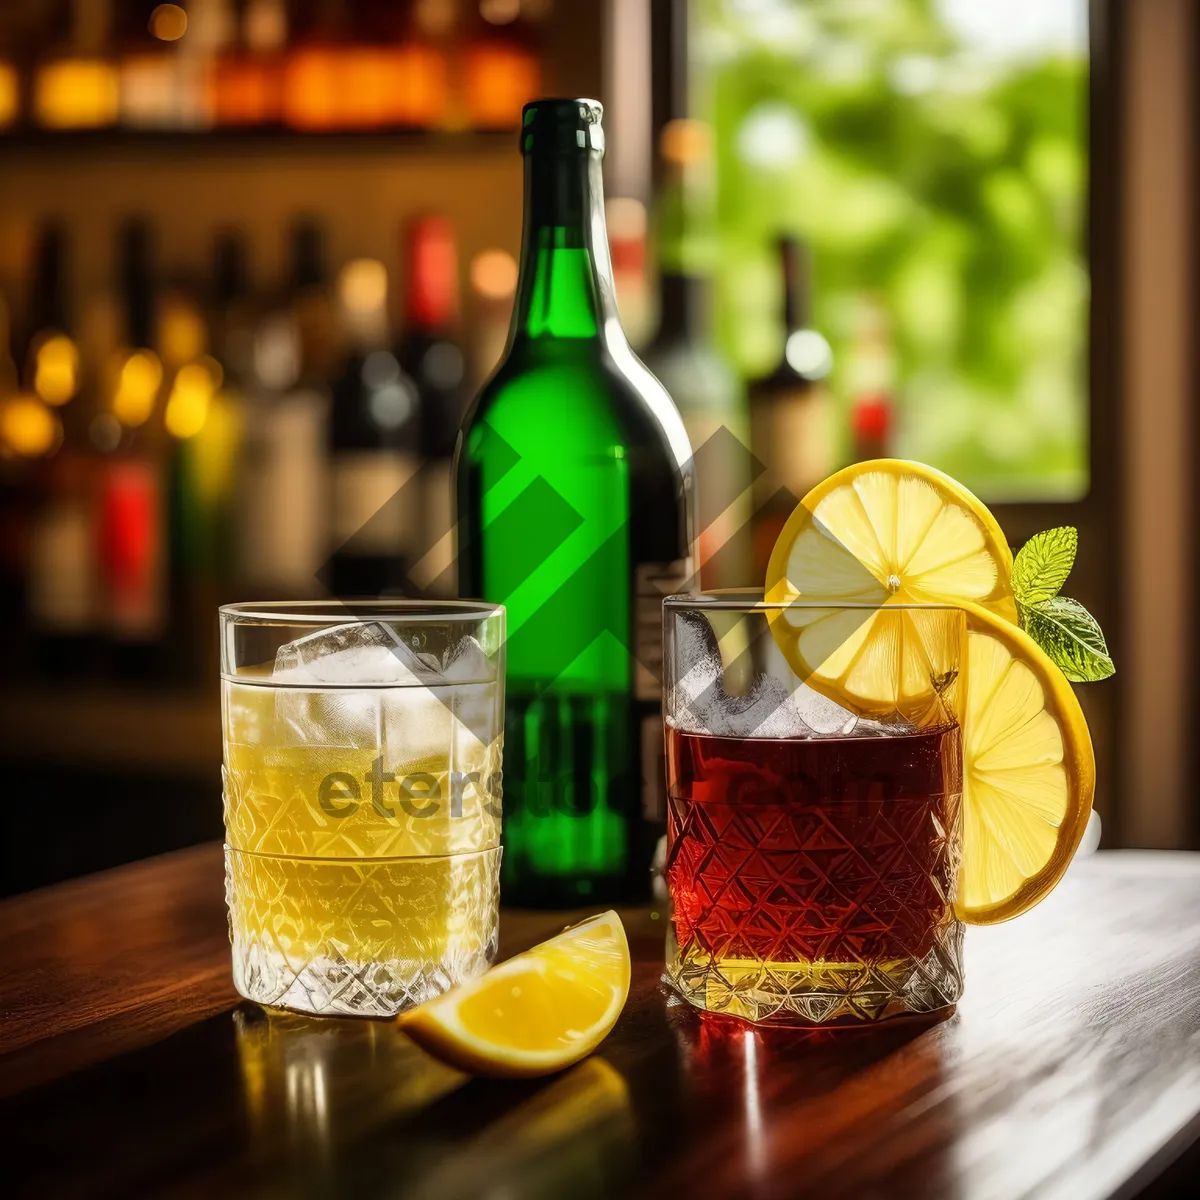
362 786
813 839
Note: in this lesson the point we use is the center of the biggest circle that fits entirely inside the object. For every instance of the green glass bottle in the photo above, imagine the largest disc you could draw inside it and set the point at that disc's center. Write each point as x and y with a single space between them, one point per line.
574 488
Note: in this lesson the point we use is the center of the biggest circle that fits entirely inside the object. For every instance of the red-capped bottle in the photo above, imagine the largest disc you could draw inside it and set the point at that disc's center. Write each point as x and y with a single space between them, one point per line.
431 355
131 528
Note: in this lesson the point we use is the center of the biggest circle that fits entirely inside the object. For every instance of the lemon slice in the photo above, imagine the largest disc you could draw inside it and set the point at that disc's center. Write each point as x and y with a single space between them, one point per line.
886 533
874 535
536 1013
1029 773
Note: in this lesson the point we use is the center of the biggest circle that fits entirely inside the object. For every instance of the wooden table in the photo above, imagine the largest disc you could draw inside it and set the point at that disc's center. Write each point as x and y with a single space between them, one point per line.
1072 1068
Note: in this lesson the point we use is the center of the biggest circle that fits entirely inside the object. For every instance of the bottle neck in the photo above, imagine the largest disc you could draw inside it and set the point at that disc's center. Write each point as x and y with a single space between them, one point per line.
684 307
365 330
794 263
565 285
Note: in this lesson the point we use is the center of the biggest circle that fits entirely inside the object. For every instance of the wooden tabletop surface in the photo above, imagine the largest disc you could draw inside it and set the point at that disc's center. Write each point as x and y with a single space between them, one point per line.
1072 1068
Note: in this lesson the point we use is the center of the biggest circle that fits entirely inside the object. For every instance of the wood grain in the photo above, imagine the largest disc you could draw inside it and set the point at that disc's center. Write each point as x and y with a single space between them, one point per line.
1071 1069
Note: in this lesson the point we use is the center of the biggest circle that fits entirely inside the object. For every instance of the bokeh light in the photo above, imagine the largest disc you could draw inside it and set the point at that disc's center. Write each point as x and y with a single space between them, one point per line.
138 381
28 428
494 274
499 12
362 285
56 369
10 95
168 22
76 93
191 395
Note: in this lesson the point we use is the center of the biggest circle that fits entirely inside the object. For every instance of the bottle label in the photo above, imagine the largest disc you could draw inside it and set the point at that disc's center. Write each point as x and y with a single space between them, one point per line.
281 503
794 433
653 581
373 512
435 571
60 569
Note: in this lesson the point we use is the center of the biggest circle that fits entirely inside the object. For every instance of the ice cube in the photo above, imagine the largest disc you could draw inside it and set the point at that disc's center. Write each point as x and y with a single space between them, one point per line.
365 652
347 718
418 729
768 710
823 716
740 716
451 733
419 711
322 707
698 671
866 727
466 662
785 720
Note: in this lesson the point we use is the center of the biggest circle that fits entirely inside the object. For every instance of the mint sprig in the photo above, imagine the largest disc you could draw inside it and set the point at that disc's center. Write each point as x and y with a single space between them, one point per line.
1063 628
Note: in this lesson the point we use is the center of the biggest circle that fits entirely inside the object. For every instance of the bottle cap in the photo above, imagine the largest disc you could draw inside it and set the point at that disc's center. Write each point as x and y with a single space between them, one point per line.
559 127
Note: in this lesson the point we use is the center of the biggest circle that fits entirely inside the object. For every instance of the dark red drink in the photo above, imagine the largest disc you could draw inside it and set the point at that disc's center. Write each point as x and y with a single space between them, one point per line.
823 851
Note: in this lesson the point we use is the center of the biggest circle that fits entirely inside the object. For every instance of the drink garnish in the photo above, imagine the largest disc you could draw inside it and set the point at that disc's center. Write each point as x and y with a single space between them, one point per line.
535 1013
882 534
1068 633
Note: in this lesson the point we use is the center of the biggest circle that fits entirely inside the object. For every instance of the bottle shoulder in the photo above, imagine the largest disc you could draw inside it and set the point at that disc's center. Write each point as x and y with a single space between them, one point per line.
593 388
783 378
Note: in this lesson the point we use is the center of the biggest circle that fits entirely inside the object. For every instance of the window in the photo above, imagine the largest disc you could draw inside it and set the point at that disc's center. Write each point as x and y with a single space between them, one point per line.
932 153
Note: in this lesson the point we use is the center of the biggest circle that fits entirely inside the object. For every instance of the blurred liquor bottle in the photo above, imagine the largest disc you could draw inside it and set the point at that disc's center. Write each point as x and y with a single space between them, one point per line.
203 418
10 80
430 354
247 78
9 375
231 310
397 75
492 279
311 302
75 86
373 445
708 394
131 487
282 481
364 65
871 373
791 423
435 24
313 74
500 61
626 219
153 88
60 583
15 496
211 29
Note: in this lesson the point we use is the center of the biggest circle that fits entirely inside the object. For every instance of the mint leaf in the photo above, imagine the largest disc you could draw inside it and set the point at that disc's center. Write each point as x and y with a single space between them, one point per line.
1070 636
1043 564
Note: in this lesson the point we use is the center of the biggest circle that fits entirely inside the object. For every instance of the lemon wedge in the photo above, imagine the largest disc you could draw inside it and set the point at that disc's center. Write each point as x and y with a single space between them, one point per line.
876 535
537 1012
1028 773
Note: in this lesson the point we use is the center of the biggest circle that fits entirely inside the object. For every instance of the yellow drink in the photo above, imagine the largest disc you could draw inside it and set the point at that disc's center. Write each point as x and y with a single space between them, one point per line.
362 839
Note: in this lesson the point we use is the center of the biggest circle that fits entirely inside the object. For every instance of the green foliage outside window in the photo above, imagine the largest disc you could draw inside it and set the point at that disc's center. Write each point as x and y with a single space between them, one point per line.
944 185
